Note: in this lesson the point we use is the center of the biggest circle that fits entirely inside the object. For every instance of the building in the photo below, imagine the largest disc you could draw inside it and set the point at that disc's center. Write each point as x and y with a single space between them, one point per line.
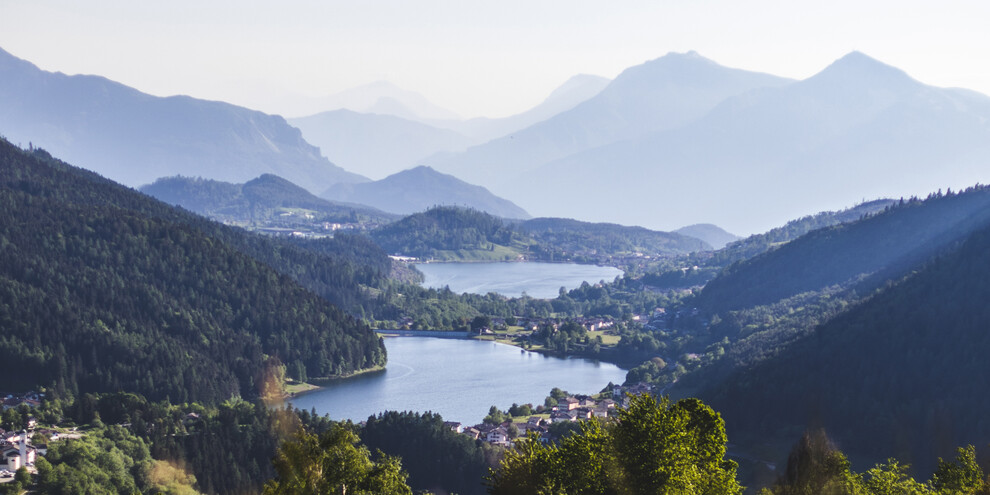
19 453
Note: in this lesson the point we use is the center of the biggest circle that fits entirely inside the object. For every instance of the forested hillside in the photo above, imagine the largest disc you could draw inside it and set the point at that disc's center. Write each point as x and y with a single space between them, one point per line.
575 236
902 373
761 243
905 234
257 202
104 289
869 328
453 233
447 232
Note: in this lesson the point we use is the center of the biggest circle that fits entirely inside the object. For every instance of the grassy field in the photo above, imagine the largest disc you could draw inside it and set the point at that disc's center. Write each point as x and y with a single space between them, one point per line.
606 339
499 253
294 387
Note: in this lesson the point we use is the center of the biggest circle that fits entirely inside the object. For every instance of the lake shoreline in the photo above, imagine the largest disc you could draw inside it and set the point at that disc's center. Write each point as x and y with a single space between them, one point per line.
536 279
457 378
624 364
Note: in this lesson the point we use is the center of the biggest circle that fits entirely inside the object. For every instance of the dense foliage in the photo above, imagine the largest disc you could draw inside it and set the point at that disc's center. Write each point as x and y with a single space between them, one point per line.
910 357
815 466
884 244
563 238
453 233
760 243
436 458
104 289
334 463
443 231
654 447
111 460
261 201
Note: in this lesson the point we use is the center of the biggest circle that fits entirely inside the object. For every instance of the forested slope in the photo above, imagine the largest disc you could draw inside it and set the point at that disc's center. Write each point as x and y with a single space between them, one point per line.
104 289
903 373
901 236
261 199
574 235
446 232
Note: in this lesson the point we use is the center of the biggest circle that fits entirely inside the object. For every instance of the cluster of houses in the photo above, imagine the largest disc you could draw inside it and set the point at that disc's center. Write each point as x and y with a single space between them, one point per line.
593 324
30 399
16 451
528 324
568 409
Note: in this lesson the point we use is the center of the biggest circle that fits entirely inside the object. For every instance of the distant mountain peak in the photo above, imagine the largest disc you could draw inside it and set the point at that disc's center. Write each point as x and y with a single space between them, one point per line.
576 83
685 57
712 234
858 68
384 97
689 68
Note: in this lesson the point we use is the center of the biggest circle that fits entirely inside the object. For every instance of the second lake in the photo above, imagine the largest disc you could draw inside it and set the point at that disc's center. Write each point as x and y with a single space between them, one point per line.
539 280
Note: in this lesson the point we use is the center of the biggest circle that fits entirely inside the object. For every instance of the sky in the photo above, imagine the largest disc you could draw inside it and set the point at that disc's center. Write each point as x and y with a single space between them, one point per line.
475 58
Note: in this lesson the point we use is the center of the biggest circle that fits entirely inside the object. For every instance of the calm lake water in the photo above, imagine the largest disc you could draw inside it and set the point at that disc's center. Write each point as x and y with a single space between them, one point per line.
540 280
460 379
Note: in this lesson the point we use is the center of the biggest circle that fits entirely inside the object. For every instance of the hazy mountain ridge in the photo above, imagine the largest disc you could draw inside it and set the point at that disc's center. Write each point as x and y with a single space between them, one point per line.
357 141
135 138
857 129
573 92
417 189
714 235
382 98
660 94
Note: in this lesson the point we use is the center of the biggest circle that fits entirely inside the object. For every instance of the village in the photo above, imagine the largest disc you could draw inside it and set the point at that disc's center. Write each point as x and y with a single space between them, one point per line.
569 411
20 448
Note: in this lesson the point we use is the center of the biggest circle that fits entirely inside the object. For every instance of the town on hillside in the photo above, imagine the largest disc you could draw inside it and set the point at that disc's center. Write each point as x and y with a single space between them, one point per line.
550 423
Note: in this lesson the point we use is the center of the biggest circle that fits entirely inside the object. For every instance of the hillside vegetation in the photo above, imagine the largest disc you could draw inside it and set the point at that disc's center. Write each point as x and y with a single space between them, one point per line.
267 200
900 237
104 289
447 233
909 358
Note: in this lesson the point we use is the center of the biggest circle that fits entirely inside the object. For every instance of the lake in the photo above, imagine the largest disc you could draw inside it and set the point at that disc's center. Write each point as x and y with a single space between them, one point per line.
458 378
539 280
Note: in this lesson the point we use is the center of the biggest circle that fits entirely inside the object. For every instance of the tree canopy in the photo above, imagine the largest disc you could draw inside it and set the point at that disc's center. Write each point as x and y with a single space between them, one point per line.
655 446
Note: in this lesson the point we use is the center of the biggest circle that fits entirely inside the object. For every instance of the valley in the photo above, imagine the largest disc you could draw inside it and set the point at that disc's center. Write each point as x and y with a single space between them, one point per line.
212 304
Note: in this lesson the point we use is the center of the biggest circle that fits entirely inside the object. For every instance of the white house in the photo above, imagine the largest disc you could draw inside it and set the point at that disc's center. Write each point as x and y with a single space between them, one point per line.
498 436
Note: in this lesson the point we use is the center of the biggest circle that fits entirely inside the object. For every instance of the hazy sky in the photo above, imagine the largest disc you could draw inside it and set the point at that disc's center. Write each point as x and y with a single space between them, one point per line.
491 58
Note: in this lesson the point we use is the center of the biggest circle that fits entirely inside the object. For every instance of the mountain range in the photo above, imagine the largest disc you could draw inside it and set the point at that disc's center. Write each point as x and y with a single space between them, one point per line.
661 94
573 92
677 140
380 144
379 98
680 138
357 140
135 138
